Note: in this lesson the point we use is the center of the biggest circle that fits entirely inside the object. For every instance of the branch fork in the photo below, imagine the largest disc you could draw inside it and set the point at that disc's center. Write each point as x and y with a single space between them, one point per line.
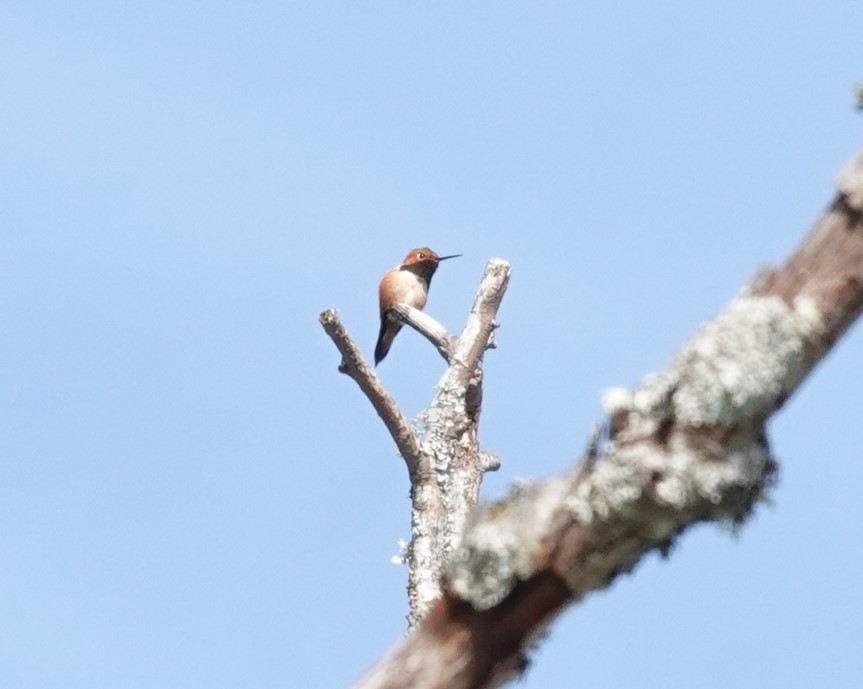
444 462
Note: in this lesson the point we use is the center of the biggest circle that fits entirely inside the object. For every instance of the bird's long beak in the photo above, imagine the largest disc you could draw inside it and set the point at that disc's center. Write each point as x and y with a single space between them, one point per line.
444 258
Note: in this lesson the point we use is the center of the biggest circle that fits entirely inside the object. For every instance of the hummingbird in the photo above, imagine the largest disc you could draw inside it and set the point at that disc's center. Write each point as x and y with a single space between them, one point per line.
407 283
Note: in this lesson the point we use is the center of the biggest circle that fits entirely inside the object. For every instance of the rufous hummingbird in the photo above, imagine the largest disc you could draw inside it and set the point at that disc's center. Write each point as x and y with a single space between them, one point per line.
407 283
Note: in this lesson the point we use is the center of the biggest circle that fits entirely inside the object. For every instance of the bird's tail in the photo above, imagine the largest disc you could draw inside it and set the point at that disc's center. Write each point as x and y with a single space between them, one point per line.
387 334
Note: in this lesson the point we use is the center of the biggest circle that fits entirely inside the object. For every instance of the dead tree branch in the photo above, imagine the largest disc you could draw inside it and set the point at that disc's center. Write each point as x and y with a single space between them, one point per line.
426 326
688 445
445 465
356 367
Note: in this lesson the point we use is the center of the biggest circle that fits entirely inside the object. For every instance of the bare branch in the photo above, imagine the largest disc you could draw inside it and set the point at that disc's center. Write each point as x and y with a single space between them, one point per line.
477 334
355 366
426 326
688 445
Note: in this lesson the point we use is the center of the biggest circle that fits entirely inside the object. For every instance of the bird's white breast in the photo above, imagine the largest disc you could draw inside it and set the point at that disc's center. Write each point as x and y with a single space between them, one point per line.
408 288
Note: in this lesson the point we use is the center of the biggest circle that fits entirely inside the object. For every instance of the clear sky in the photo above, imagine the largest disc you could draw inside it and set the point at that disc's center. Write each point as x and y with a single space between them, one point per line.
192 496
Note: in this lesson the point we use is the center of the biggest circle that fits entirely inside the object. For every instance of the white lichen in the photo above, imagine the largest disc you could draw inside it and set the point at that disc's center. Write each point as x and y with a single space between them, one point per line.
401 557
809 315
630 482
500 541
610 488
616 400
686 478
739 365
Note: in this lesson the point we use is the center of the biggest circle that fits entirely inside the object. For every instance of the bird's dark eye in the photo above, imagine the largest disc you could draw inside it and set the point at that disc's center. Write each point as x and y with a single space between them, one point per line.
421 255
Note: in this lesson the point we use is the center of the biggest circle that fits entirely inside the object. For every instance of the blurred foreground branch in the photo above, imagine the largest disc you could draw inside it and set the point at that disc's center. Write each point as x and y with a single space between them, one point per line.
688 445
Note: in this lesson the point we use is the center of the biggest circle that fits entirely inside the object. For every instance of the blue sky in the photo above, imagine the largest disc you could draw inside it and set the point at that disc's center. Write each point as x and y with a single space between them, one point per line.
192 496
